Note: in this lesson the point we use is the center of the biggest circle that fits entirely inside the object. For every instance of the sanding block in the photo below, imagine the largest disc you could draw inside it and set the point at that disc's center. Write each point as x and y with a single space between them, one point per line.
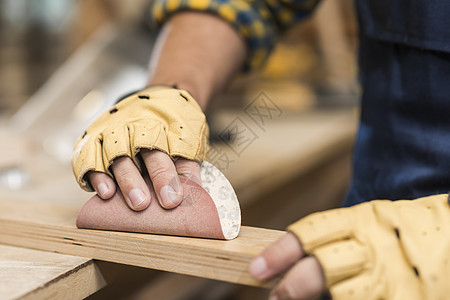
208 211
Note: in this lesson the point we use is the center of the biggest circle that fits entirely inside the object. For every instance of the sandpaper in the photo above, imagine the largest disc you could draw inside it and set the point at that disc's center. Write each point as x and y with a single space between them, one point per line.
207 211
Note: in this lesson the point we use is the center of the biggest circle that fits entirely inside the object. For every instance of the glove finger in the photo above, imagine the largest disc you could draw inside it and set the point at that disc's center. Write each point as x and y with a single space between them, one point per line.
180 145
116 143
360 287
150 136
323 227
87 156
190 125
341 260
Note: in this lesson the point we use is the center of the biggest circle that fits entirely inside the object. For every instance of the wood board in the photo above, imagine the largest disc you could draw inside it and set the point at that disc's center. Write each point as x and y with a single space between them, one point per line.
33 274
50 227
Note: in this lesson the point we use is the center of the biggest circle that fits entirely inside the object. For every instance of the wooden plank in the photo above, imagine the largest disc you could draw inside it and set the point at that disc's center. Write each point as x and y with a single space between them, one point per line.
320 189
51 227
302 144
33 274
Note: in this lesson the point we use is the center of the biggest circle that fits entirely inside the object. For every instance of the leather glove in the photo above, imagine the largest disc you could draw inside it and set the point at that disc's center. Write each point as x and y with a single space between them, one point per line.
382 249
162 118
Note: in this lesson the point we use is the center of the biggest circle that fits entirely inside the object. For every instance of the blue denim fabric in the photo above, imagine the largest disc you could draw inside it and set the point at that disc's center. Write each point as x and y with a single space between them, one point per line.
403 145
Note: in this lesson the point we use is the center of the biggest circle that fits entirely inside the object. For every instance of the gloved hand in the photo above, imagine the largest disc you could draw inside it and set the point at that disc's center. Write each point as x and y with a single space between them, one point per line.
160 124
376 250
382 249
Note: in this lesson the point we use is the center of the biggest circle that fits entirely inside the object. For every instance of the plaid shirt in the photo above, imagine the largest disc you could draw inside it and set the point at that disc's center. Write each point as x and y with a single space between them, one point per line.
258 21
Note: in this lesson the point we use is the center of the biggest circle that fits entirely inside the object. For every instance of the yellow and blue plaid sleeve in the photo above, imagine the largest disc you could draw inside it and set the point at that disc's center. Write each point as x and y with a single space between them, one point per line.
257 21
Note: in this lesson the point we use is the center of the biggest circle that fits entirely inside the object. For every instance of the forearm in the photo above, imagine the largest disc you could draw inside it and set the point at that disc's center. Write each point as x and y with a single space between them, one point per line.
197 52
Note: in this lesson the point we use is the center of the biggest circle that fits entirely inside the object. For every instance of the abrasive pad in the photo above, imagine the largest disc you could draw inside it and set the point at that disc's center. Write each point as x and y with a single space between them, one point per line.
209 211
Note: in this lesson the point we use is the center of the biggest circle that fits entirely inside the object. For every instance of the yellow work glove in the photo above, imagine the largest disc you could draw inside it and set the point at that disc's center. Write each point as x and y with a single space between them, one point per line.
162 118
382 249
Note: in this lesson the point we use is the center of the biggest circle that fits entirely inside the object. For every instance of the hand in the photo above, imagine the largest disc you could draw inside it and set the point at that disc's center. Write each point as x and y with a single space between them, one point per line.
163 174
146 129
199 52
375 250
304 278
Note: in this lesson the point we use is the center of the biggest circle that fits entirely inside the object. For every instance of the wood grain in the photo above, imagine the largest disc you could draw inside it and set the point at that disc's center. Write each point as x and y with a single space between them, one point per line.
33 274
51 227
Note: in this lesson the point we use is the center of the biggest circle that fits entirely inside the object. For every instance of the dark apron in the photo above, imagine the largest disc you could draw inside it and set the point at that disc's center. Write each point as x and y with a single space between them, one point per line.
403 145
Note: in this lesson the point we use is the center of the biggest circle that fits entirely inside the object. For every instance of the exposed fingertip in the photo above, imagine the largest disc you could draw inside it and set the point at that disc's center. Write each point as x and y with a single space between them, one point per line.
138 200
283 292
111 188
102 190
303 281
273 296
170 198
258 268
103 184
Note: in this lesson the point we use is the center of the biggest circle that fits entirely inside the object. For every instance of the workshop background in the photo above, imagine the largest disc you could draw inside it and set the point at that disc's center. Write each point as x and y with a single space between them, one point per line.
63 62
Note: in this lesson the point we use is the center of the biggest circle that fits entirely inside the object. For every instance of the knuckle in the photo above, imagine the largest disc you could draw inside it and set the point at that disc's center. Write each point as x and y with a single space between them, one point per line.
180 162
185 170
188 168
158 173
126 178
273 255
